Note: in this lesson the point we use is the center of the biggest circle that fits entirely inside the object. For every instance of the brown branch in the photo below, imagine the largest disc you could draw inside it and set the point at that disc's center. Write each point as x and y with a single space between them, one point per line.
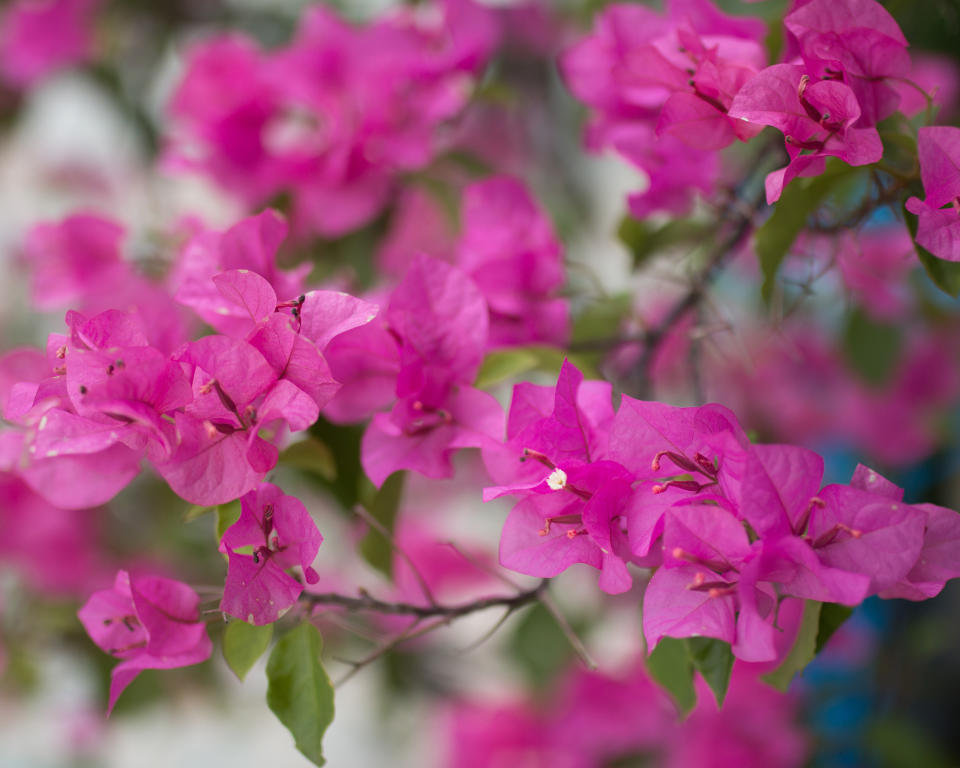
444 615
886 197
367 602
742 223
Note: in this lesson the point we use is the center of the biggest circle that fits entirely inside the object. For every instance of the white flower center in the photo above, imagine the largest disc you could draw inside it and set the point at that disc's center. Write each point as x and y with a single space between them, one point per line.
557 480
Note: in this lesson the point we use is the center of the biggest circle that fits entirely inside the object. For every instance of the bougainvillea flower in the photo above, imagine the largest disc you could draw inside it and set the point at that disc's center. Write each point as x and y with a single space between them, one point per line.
857 41
816 117
221 452
283 536
247 247
37 39
333 117
73 259
148 622
439 321
938 228
509 248
78 263
574 508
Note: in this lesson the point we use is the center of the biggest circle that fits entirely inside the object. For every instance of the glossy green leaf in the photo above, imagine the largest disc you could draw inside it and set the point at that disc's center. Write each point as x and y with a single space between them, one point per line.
714 660
803 651
872 348
243 644
195 512
376 548
311 456
602 319
349 483
832 616
227 515
800 199
671 667
299 692
504 364
539 646
644 240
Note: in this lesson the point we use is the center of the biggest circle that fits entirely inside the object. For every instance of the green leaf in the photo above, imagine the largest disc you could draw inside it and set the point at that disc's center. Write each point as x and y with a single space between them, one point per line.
898 743
503 364
243 644
311 456
299 692
227 515
196 511
832 615
799 200
804 648
540 648
643 240
376 548
602 319
349 482
714 660
671 667
944 274
872 348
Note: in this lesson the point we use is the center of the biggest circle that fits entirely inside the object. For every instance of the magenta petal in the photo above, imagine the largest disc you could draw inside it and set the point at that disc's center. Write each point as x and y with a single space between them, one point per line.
209 468
83 480
247 293
120 677
326 314
240 370
101 617
645 512
168 611
778 484
295 358
615 578
791 562
756 637
603 510
441 317
524 550
865 479
939 150
290 404
939 560
384 450
693 121
939 233
705 534
881 538
258 593
671 608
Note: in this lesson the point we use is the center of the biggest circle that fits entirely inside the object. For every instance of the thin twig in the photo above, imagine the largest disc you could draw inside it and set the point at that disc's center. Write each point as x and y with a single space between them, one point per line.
367 602
483 567
490 632
575 642
408 634
717 257
383 531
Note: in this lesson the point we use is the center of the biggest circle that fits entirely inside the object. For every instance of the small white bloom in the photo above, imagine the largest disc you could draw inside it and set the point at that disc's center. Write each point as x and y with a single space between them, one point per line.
557 480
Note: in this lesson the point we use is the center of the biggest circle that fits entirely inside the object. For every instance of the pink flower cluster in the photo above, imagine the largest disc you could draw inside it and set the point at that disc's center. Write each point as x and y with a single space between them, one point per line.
732 528
208 414
333 118
148 622
938 227
594 720
39 38
697 79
